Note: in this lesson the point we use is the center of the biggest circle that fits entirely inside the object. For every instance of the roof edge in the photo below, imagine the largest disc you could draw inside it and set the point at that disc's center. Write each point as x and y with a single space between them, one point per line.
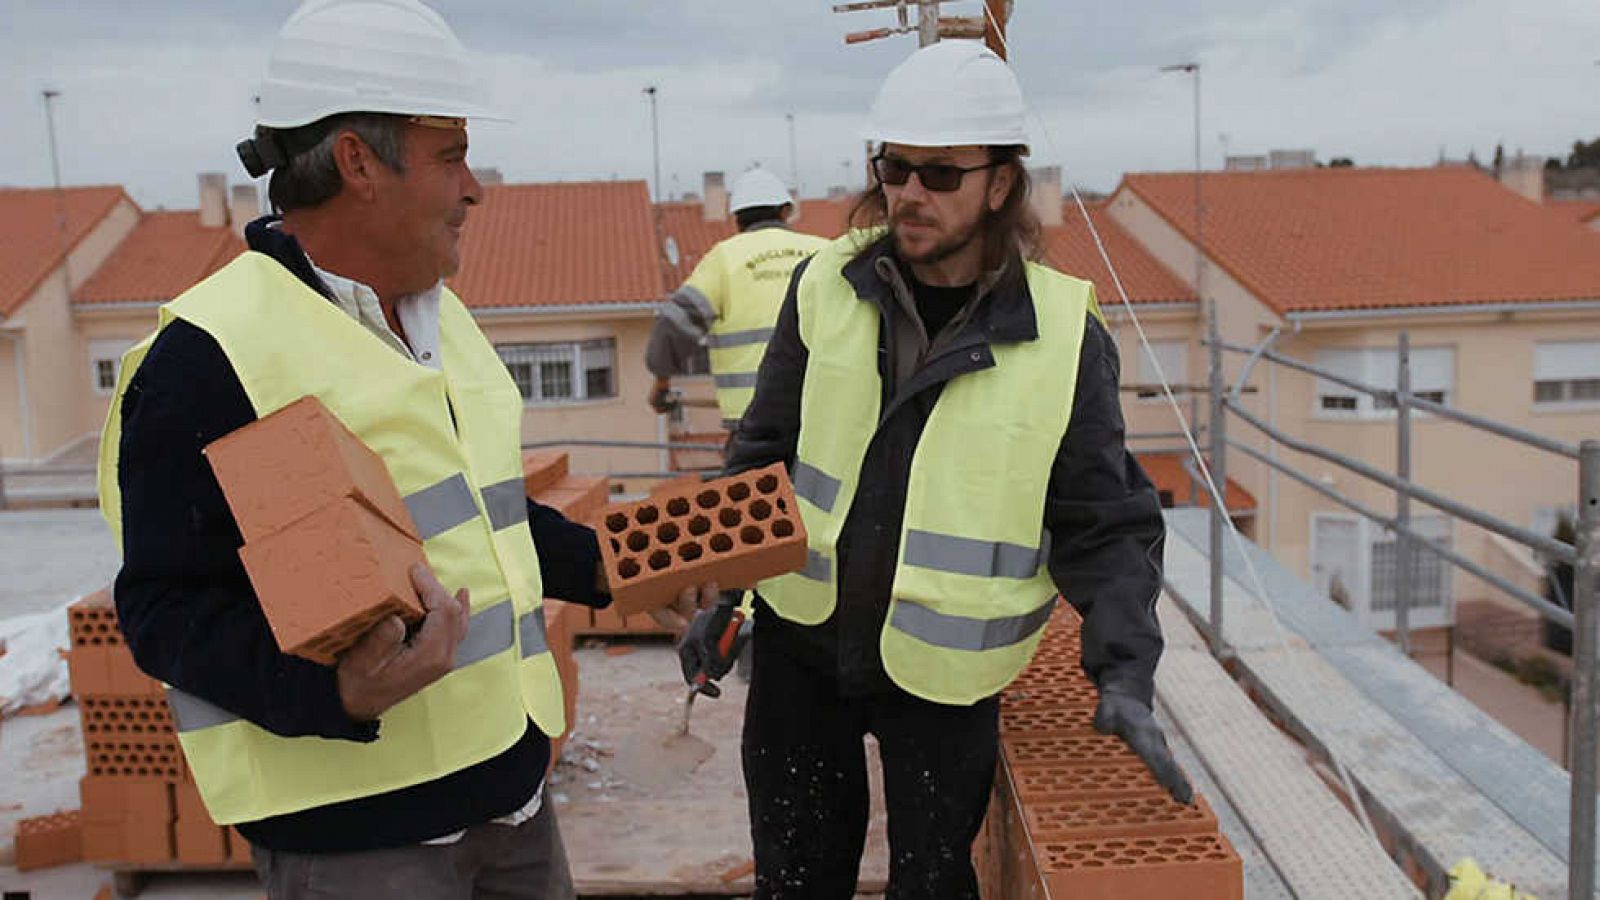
1443 309
56 259
625 306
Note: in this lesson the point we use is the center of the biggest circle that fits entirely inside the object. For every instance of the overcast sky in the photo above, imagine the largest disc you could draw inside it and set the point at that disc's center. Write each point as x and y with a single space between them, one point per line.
155 91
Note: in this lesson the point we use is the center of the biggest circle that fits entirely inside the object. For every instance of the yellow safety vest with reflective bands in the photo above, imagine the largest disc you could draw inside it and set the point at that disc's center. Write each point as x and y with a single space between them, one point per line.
742 281
451 440
971 592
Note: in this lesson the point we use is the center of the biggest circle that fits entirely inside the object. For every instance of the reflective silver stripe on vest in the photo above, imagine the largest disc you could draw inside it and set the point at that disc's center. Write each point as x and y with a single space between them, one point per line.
488 634
966 556
815 485
735 380
739 338
818 567
962 633
190 713
441 507
507 503
531 629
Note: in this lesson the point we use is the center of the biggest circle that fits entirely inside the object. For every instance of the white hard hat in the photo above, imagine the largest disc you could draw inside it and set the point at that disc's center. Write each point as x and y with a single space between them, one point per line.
758 187
377 56
949 94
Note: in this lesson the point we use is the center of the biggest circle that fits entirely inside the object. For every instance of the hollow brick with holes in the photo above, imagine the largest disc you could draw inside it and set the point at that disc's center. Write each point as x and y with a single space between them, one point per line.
1145 868
124 718
52 840
1047 721
159 759
92 620
1056 693
1066 751
197 839
734 531
541 470
108 670
283 467
327 579
1127 816
1095 781
578 497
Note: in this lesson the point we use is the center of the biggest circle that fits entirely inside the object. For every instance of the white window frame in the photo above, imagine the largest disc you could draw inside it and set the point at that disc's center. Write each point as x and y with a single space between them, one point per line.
106 350
1174 358
1570 367
1433 376
581 357
1368 535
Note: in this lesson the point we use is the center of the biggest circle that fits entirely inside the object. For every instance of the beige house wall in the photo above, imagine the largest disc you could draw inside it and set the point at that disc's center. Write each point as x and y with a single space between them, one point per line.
626 416
11 440
57 371
108 327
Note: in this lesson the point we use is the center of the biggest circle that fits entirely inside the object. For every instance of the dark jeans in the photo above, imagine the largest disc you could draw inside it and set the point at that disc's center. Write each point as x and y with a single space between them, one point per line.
489 862
806 773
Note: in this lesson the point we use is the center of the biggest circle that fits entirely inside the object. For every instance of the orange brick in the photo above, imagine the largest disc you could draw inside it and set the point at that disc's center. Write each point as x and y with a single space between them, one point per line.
330 577
113 799
133 718
295 461
45 841
108 670
200 842
683 485
559 619
156 758
578 497
1134 816
541 470
734 531
1044 721
1035 784
1153 868
1063 693
1066 751
92 620
238 847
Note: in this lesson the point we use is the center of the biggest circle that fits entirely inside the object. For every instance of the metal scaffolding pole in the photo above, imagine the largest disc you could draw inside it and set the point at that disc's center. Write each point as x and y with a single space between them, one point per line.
1585 641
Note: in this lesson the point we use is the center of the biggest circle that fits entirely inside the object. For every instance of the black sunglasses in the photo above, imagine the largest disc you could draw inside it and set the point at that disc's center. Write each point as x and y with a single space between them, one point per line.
940 177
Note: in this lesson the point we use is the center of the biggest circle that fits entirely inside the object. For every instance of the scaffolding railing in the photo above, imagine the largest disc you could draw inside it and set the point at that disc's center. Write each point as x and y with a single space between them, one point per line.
1583 555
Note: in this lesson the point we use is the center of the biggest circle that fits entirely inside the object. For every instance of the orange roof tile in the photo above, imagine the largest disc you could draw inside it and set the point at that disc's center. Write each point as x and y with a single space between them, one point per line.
1342 239
31 243
1172 479
1070 248
1581 210
574 243
685 223
164 255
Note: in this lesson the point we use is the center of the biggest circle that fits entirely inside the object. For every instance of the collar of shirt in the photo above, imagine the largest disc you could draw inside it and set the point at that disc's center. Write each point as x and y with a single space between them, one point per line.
418 314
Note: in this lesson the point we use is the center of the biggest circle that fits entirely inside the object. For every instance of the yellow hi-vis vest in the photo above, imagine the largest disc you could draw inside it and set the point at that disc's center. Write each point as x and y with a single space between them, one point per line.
742 281
451 439
971 593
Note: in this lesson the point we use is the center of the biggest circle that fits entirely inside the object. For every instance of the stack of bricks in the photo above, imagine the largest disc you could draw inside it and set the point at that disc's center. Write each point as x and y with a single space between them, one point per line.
734 531
45 841
140 807
1075 813
328 541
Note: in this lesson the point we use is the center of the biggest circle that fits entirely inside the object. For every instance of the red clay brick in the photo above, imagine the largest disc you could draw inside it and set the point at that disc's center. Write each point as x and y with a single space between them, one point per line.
330 577
45 841
1046 721
279 469
578 497
147 841
683 485
124 718
238 847
734 531
1061 693
117 798
541 470
1067 752
92 620
559 619
1135 816
108 670
158 759
1148 868
102 841
196 838
1038 784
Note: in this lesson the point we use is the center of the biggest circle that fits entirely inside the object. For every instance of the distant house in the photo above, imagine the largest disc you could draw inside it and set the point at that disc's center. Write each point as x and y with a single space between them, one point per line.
1500 298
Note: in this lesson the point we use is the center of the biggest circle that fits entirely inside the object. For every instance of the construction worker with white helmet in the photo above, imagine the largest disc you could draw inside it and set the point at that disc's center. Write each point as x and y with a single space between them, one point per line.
414 766
948 410
728 304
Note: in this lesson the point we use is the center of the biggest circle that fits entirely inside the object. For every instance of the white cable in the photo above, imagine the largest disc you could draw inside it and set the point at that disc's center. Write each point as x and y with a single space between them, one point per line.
1295 667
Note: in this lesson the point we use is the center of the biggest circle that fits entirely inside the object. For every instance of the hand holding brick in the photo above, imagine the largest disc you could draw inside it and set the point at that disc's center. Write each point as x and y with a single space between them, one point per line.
734 531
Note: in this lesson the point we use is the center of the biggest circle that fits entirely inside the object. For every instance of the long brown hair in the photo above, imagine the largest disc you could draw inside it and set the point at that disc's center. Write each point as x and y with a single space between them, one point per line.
1013 228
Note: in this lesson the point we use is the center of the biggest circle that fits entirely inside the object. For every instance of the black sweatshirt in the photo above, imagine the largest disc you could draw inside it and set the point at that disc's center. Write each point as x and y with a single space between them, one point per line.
192 620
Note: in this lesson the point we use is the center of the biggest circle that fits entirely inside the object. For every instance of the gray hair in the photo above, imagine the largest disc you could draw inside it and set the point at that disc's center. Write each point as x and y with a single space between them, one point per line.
311 177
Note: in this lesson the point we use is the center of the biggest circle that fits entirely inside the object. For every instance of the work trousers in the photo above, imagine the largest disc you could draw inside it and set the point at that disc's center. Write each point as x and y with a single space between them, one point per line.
489 862
806 774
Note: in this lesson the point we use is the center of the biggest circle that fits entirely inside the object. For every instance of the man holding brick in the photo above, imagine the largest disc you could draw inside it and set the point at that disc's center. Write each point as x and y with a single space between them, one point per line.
949 412
413 766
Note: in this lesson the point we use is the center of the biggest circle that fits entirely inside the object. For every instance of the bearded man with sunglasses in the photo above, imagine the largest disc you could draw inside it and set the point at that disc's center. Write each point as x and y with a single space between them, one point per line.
949 413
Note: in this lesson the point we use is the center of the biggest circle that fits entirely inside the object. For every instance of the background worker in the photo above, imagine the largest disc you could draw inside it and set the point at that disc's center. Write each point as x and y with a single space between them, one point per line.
950 416
415 766
730 301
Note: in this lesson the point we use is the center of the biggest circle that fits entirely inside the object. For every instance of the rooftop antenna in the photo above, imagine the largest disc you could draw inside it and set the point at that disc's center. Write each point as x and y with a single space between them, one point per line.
50 96
655 140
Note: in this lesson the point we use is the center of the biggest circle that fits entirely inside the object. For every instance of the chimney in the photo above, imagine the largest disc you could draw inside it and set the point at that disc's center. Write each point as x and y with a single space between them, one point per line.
1046 195
1292 159
1524 175
213 200
715 204
244 206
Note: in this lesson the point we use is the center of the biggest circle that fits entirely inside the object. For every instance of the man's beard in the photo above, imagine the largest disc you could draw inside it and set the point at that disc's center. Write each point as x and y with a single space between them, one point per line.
941 250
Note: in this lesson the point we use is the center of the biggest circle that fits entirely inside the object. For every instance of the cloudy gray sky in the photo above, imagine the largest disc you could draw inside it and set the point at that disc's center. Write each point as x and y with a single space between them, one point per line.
155 91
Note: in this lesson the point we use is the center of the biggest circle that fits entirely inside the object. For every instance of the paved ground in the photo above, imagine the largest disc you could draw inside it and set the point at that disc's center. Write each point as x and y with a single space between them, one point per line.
52 556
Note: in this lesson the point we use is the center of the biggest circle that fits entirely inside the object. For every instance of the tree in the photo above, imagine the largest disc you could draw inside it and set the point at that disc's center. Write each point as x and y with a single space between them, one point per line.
1584 155
1341 162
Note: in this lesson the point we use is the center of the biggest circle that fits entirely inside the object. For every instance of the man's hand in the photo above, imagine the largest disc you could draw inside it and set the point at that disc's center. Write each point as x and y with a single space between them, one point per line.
384 668
1129 719
660 397
701 652
675 618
